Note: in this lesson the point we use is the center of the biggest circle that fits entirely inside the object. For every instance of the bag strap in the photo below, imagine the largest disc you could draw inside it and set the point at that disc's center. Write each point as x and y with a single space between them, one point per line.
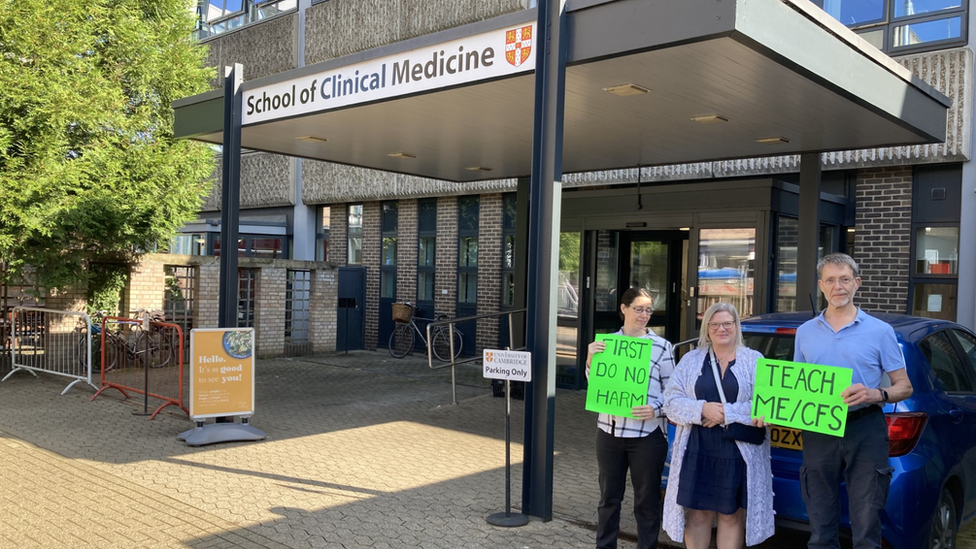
718 380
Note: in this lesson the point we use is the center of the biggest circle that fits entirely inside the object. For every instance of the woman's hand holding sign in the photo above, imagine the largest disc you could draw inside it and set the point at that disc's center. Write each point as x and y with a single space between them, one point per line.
712 414
643 412
592 349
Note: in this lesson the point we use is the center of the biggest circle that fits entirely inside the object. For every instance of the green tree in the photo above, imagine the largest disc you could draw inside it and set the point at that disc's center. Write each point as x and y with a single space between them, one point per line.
89 170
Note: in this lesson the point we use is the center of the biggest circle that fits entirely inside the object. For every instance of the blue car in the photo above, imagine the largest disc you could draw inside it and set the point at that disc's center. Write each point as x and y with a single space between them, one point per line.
932 435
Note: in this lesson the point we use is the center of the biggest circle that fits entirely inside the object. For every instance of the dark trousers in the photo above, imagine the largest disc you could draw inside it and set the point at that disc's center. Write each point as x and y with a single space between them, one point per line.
644 456
860 459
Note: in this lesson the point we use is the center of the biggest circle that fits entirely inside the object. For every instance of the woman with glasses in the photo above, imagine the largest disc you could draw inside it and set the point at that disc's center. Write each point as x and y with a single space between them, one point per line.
637 443
720 470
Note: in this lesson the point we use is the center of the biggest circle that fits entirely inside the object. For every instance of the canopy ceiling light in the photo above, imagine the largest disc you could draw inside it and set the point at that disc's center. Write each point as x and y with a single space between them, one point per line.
402 155
709 119
478 169
773 140
624 90
312 138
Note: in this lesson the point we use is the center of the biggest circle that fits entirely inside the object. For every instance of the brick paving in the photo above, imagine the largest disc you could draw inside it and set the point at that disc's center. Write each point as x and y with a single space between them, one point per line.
362 451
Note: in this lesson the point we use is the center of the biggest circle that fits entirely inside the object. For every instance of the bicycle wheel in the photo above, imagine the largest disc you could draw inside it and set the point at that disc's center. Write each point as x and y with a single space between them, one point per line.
113 350
401 340
162 350
441 343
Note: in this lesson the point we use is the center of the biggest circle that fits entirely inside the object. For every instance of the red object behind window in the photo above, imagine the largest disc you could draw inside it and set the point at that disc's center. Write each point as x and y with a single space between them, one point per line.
904 430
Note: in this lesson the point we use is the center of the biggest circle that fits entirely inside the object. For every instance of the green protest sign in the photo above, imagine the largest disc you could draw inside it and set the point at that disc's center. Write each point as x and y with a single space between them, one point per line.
802 396
619 375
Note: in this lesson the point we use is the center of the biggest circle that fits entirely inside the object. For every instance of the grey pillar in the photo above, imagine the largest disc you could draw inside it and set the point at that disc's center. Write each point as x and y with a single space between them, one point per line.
230 202
809 233
544 214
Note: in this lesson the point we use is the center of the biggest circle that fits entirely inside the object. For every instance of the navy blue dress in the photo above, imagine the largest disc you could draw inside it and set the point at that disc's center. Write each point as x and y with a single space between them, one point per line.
713 474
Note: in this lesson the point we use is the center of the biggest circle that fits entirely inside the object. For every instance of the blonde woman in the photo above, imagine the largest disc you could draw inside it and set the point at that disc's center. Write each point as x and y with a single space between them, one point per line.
714 478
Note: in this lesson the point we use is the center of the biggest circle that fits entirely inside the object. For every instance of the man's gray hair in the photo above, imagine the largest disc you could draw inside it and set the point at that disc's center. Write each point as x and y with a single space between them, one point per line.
837 259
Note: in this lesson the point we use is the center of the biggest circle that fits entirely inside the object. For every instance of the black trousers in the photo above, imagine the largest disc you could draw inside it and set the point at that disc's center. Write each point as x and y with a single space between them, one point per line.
644 456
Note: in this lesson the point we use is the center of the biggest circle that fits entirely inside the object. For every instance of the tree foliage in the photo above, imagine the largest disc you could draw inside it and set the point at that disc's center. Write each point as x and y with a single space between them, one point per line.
89 169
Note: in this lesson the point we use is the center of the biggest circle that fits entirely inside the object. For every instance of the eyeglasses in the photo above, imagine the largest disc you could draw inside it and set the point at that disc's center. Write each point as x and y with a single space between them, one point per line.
713 326
844 281
642 310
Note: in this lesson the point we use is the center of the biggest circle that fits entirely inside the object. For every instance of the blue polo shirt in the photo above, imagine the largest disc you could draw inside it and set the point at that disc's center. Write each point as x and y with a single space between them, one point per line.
868 346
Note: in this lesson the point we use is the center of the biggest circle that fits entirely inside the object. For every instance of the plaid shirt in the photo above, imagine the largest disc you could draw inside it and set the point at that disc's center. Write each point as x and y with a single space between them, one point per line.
662 365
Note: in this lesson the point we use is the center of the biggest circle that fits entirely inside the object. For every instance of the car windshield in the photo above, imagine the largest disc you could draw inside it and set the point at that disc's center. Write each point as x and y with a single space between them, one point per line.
774 346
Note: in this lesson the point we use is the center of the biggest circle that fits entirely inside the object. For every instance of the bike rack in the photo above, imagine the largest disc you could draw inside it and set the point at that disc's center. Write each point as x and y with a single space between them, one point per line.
450 322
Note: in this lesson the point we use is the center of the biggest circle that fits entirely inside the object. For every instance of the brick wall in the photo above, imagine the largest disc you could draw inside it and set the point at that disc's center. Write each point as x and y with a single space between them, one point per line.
269 313
407 251
323 315
489 268
338 242
372 246
882 238
445 279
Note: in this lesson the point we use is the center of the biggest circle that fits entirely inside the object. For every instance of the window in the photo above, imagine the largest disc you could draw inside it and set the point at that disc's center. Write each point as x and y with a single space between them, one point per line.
934 271
426 248
322 234
945 363
297 307
468 213
726 267
909 25
355 235
508 249
968 345
218 16
246 297
784 268
388 254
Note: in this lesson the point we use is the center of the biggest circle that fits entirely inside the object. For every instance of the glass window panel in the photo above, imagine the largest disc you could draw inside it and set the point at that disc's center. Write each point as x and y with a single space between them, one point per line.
915 7
874 37
427 215
726 267
945 363
355 251
388 283
607 251
467 288
425 286
469 252
510 211
935 301
389 251
646 260
356 216
427 247
468 207
266 247
508 290
854 12
784 286
567 296
927 31
508 252
968 344
937 250
390 214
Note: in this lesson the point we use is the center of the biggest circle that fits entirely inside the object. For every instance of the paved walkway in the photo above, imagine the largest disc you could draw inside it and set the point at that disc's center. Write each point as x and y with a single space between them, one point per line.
362 451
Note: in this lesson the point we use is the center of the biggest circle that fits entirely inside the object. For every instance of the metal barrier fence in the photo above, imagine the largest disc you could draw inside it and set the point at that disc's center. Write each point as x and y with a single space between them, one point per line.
50 341
141 357
449 331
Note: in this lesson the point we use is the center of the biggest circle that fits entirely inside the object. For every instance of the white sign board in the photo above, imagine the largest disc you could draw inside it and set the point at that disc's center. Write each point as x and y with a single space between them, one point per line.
513 365
496 54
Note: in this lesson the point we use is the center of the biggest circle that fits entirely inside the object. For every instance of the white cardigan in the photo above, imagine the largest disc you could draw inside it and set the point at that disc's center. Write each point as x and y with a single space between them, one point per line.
683 408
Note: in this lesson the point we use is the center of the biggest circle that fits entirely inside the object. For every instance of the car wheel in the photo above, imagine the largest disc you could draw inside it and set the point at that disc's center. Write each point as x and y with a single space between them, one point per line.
943 534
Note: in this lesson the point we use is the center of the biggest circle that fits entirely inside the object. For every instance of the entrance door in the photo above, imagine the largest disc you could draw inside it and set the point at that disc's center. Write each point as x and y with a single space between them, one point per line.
350 332
646 259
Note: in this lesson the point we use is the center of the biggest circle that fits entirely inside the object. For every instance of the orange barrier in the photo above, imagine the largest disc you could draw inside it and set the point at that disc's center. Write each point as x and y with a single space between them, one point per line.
146 360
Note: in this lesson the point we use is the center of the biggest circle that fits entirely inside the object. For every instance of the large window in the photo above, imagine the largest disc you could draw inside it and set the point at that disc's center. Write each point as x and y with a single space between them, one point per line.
218 16
934 271
903 25
468 214
354 234
426 248
388 257
508 250
726 268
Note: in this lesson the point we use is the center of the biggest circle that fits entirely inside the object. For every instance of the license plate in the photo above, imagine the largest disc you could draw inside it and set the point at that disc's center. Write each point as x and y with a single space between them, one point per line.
784 437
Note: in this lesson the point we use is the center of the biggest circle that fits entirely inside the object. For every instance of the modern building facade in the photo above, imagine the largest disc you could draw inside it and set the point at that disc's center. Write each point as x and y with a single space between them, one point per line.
693 232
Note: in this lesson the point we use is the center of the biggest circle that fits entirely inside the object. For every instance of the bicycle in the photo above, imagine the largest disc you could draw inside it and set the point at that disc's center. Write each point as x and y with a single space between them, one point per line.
403 338
155 348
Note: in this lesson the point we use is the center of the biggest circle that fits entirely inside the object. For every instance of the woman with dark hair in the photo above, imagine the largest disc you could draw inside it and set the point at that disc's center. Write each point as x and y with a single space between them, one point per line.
637 443
720 470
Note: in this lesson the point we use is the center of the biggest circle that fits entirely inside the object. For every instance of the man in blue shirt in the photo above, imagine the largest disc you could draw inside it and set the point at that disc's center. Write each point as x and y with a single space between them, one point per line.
844 335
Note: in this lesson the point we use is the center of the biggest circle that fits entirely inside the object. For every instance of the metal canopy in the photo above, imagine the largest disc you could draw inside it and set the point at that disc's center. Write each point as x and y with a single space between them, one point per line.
772 68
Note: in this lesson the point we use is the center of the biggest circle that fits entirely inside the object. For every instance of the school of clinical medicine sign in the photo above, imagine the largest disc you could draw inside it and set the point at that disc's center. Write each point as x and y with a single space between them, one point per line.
494 54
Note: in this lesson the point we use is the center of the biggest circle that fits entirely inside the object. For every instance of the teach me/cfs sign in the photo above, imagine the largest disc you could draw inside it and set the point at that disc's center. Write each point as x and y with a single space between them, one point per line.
802 396
619 375
221 372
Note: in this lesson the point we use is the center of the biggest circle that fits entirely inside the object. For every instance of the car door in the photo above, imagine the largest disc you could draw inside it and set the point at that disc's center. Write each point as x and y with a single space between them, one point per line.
956 425
966 345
